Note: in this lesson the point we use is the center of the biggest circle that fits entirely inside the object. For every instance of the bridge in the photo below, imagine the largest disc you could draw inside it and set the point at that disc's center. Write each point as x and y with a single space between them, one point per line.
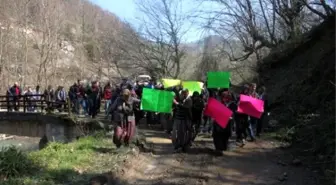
49 120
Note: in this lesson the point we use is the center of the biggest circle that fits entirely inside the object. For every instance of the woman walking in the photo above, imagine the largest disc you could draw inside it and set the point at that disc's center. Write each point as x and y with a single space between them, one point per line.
123 116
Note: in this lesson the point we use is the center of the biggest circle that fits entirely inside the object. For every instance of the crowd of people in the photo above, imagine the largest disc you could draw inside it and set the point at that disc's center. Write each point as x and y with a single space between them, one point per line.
188 116
187 119
122 106
54 99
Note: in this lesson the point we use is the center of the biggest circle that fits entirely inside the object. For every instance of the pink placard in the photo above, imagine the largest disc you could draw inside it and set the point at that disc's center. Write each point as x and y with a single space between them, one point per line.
219 112
250 106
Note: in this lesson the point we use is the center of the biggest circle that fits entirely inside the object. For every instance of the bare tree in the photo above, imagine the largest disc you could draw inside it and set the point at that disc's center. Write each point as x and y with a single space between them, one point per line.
113 55
209 61
37 35
26 43
5 38
315 6
45 37
258 24
159 43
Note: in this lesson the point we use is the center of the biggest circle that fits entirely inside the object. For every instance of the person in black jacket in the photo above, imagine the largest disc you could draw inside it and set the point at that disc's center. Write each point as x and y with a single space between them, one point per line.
197 109
221 135
100 94
241 121
49 97
181 133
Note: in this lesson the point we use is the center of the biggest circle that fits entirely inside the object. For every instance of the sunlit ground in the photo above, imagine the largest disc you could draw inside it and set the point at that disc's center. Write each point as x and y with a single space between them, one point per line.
73 163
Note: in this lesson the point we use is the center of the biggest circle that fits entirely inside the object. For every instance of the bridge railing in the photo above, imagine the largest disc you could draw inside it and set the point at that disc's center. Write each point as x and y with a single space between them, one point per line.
30 103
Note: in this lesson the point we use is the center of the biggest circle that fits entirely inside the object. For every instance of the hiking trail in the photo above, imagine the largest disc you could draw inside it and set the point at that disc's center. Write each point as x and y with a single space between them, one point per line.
258 163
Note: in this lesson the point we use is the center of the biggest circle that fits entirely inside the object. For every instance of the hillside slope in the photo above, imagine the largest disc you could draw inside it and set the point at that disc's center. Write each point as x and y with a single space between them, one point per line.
311 62
56 41
300 81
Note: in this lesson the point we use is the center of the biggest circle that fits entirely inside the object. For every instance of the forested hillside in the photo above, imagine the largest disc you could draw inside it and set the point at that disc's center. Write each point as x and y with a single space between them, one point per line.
56 41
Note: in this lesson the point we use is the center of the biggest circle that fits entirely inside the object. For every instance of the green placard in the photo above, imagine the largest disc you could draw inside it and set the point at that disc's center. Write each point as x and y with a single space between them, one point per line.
218 79
156 100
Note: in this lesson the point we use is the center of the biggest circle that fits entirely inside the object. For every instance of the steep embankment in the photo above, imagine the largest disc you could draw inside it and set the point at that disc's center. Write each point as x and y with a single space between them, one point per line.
300 81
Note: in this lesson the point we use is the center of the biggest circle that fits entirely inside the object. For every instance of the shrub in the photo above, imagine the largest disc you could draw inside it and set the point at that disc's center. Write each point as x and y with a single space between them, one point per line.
14 163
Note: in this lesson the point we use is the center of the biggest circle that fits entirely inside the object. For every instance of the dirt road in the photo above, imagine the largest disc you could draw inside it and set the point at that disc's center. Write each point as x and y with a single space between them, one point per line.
259 163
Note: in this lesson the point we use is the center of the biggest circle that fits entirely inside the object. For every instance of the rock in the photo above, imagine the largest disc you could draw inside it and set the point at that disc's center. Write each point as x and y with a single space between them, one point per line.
79 171
43 142
100 124
296 162
135 152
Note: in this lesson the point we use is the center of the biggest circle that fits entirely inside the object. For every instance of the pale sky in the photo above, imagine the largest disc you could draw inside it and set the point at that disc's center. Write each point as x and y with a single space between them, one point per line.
127 10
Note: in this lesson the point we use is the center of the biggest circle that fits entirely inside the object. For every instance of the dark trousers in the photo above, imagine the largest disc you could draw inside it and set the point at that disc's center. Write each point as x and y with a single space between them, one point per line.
260 124
241 126
251 127
196 124
98 104
60 104
138 114
205 120
93 104
221 137
14 103
149 118
197 118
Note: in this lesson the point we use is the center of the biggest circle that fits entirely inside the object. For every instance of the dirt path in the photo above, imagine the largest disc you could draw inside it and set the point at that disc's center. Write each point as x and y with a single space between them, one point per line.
257 163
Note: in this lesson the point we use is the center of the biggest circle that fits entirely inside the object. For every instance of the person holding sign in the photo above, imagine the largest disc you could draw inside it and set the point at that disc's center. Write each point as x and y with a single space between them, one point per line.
221 135
252 120
242 121
181 134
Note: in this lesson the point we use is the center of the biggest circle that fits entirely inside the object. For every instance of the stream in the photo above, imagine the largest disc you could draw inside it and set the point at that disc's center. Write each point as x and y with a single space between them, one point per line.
23 143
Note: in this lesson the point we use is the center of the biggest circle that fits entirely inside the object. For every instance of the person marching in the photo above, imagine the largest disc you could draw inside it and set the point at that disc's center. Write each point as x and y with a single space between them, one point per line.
242 121
181 134
221 135
122 108
197 109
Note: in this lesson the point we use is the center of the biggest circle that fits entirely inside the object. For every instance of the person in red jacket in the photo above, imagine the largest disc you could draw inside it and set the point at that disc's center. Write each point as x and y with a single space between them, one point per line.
14 96
107 97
